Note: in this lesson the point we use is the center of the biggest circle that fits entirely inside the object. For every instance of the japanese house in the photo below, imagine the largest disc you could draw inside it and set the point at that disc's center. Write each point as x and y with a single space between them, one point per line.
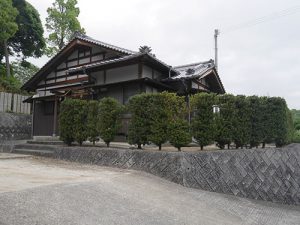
89 69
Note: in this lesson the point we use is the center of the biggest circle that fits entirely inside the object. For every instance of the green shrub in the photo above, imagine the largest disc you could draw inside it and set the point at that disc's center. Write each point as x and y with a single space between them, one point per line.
256 120
72 121
203 123
66 121
241 121
152 115
92 120
139 126
225 120
277 121
80 121
109 119
165 108
296 137
179 135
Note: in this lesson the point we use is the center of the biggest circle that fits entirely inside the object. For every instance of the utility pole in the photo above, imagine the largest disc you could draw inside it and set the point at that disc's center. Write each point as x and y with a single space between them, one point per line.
216 48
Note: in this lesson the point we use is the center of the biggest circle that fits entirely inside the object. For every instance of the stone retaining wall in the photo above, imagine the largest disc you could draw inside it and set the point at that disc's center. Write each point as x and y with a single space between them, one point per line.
15 126
264 174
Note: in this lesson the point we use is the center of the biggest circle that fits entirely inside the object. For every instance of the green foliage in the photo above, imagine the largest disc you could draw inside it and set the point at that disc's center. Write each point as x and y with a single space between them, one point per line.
296 118
8 23
10 84
241 121
203 123
165 108
92 120
225 120
109 119
152 115
72 121
179 135
62 22
257 112
296 137
29 39
23 70
80 131
277 121
139 126
66 121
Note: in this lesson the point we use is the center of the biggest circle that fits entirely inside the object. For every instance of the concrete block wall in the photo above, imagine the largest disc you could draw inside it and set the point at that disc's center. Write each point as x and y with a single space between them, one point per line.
264 174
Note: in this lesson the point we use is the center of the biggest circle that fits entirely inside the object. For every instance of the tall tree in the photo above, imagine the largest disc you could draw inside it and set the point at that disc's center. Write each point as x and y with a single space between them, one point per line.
29 39
62 22
8 27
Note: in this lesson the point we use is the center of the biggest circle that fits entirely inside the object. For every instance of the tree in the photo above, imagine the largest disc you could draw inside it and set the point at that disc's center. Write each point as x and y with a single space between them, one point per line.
23 70
66 121
8 27
28 40
257 112
139 126
92 114
242 125
62 22
109 119
179 134
224 120
80 132
163 107
203 123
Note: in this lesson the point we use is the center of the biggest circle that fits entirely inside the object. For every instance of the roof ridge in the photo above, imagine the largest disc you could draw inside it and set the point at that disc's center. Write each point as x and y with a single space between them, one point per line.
85 37
194 64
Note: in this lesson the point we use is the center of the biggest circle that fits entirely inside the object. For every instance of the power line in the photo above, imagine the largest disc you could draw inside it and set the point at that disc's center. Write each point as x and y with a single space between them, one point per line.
267 18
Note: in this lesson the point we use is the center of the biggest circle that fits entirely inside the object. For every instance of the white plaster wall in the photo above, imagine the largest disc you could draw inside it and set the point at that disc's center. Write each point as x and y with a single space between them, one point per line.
147 71
99 76
122 74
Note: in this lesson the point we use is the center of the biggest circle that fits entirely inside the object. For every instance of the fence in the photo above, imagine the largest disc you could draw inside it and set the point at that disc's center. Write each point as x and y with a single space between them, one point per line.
14 103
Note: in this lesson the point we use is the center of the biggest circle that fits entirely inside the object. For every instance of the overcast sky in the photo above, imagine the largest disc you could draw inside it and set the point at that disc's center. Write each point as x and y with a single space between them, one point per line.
257 60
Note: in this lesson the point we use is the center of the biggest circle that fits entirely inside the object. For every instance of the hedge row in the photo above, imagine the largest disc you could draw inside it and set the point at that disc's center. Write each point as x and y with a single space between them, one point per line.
81 120
158 118
244 121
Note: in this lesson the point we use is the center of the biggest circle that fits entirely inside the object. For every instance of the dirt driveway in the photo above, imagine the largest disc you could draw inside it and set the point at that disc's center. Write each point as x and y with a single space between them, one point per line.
38 191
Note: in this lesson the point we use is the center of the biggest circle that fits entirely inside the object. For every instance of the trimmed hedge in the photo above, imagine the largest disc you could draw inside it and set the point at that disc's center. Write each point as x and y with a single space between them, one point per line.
81 120
109 119
157 117
162 117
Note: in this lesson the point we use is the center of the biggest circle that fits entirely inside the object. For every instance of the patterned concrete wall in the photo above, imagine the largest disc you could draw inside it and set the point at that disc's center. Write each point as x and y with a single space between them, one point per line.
264 174
15 126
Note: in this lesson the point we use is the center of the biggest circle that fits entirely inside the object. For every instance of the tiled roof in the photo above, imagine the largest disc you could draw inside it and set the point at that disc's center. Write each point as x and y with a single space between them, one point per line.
104 62
96 42
193 70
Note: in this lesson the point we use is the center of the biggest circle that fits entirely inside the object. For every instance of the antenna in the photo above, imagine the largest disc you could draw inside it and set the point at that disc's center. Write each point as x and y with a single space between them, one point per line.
217 32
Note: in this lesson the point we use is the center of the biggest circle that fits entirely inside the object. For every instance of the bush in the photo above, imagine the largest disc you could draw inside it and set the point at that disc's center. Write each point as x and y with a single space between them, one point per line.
165 109
203 123
109 119
278 124
179 135
256 121
241 121
80 131
152 115
66 121
225 120
296 137
92 120
139 126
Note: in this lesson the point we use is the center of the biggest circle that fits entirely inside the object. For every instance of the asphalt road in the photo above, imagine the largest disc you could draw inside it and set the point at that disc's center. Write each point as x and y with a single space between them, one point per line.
36 191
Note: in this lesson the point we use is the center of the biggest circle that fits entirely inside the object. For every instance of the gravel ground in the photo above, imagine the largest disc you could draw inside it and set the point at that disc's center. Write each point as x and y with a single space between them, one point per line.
36 191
